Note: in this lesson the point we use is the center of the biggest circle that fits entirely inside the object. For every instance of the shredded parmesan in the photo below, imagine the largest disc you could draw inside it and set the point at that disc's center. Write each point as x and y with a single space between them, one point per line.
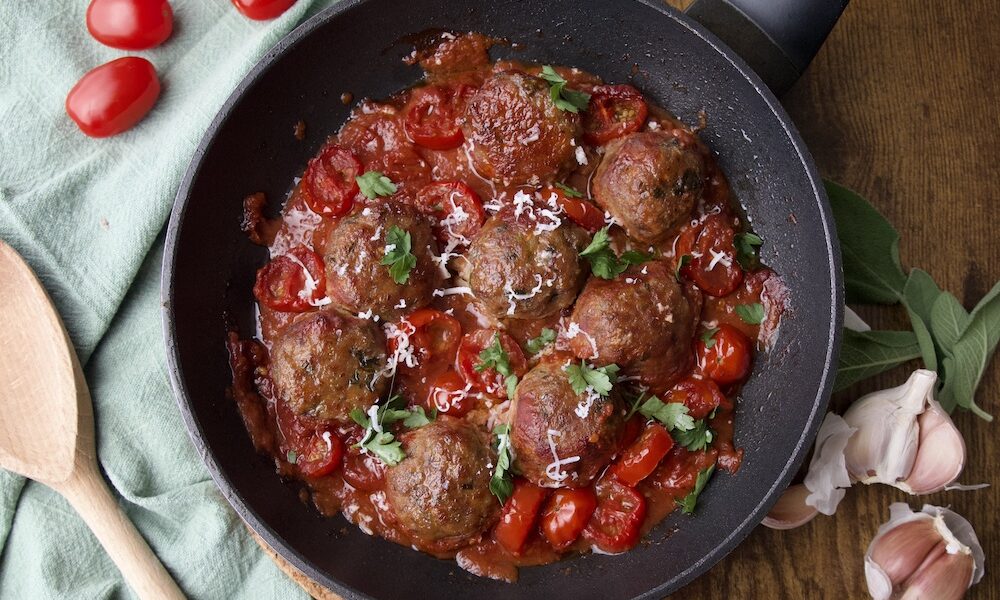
513 296
573 330
554 470
462 290
309 286
581 156
719 257
403 350
445 399
582 409
609 219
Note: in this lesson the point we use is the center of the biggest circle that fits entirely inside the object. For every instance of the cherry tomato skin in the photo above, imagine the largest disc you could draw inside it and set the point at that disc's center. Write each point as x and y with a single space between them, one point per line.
448 395
113 97
434 335
615 525
432 116
322 455
700 396
613 111
519 515
130 24
262 10
330 183
581 211
488 380
446 200
642 457
364 472
727 360
713 266
566 515
280 282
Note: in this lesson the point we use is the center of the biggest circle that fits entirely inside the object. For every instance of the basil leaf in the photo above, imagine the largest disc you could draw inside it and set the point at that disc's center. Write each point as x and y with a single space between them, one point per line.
751 314
691 500
870 249
374 184
949 321
868 353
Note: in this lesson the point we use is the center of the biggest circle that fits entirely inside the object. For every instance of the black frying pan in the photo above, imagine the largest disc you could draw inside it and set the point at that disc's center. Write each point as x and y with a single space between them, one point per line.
209 266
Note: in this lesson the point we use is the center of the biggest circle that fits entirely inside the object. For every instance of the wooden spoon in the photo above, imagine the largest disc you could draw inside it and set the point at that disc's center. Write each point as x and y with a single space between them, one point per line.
47 429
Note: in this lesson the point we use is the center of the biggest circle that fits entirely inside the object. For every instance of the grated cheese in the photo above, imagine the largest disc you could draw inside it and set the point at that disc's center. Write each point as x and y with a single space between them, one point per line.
581 156
554 470
573 330
513 296
582 409
462 290
719 257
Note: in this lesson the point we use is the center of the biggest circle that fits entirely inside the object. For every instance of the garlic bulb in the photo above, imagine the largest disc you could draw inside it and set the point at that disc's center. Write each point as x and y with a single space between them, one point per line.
929 554
904 438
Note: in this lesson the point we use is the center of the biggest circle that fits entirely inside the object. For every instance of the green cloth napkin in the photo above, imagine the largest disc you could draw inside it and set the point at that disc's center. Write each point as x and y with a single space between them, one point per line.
87 215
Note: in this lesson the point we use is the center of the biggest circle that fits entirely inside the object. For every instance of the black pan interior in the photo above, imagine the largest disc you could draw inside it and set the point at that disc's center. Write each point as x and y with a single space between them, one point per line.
354 47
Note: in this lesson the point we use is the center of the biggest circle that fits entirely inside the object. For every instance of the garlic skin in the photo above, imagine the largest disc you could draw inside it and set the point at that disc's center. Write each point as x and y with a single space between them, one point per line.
929 554
904 438
791 510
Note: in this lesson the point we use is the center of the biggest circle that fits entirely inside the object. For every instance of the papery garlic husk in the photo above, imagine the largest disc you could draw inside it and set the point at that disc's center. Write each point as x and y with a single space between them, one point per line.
904 438
929 554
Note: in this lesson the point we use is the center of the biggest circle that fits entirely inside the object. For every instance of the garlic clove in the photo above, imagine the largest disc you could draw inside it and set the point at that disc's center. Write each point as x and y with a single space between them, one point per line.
946 578
791 510
828 475
940 454
902 549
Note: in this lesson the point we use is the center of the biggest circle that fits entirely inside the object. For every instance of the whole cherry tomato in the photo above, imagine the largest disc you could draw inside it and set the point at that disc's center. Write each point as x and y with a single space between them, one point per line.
292 282
700 396
580 210
519 515
456 206
363 470
725 355
330 181
488 380
613 111
130 24
434 335
321 455
262 10
449 396
615 526
432 116
713 266
566 514
642 457
114 96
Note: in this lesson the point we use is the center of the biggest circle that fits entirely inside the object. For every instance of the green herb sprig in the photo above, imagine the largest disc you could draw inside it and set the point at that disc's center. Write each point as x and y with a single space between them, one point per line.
691 500
496 358
502 482
384 444
537 344
564 98
374 184
398 257
603 262
600 379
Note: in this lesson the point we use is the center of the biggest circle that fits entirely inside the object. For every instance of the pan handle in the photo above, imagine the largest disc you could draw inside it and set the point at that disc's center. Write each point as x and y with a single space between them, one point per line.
777 38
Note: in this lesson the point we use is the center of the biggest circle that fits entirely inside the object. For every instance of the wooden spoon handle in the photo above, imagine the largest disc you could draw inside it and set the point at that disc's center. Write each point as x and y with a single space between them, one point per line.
90 496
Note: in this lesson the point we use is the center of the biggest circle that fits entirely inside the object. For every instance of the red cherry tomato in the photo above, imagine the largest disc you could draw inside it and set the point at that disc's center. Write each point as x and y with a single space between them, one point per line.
725 357
581 211
262 10
114 96
566 514
363 471
330 181
700 396
614 528
642 457
519 515
488 380
448 394
284 283
130 24
457 208
613 111
713 266
321 455
434 335
432 116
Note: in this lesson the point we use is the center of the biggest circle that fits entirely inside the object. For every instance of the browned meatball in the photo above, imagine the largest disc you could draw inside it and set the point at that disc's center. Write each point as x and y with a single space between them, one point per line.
440 493
355 278
327 363
517 273
642 321
547 414
649 182
517 134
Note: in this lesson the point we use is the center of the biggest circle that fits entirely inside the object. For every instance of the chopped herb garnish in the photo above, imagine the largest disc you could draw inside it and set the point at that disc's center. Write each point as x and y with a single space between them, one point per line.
695 438
746 249
374 184
570 192
496 358
582 376
563 97
673 415
292 457
691 500
681 263
708 336
383 444
397 254
603 262
751 314
502 482
537 344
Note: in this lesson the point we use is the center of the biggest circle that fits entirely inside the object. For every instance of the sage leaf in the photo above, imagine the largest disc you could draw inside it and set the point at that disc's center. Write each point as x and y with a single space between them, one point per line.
970 355
948 322
870 249
868 353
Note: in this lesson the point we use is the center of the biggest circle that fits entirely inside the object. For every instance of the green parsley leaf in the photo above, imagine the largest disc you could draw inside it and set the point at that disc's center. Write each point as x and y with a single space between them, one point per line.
398 256
696 438
494 357
751 314
746 244
681 263
418 418
511 384
502 482
564 98
360 417
708 336
536 345
292 457
603 262
374 184
691 500
673 415
570 192
385 447
634 257
582 376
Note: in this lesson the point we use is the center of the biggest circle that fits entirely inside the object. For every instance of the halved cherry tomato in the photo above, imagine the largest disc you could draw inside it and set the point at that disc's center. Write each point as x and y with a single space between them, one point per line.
613 111
488 380
713 266
114 96
614 528
363 471
321 455
519 515
434 335
633 427
291 282
330 181
580 210
432 116
700 396
262 10
130 24
457 208
641 458
448 394
726 356
566 514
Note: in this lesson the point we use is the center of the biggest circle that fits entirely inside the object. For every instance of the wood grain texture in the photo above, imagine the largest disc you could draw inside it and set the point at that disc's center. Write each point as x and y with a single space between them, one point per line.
901 105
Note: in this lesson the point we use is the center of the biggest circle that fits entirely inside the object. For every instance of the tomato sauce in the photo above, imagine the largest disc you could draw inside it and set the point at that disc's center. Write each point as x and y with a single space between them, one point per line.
450 334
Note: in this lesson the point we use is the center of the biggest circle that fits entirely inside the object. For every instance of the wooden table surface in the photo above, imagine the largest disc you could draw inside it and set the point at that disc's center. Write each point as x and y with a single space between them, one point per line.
901 104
